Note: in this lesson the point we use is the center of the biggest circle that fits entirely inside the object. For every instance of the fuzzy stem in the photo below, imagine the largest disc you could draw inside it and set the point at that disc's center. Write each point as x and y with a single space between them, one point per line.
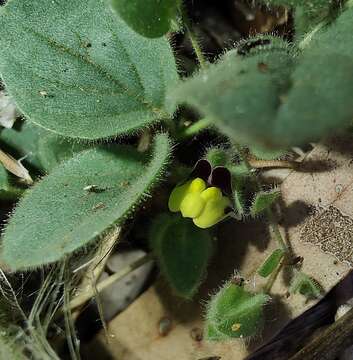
193 38
271 280
269 212
273 224
276 231
195 128
89 293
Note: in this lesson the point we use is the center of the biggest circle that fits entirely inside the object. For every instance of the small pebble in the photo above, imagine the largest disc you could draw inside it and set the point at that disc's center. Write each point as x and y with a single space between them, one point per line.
164 326
196 334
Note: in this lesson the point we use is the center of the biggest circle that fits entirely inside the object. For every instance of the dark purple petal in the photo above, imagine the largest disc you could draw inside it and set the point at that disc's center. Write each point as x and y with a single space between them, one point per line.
202 169
221 178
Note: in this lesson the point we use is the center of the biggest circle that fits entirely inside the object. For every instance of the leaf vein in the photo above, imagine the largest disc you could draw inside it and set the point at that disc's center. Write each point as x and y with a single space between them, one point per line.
56 45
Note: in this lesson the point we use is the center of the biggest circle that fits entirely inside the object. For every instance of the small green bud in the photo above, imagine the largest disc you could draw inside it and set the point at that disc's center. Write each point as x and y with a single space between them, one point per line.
218 156
271 263
240 170
235 313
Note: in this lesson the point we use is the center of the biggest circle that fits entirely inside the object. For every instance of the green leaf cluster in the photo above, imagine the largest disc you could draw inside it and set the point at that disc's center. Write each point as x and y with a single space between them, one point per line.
235 313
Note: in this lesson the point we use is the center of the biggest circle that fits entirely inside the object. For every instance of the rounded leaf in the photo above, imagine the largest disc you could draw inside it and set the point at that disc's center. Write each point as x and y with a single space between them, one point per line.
80 199
86 74
183 252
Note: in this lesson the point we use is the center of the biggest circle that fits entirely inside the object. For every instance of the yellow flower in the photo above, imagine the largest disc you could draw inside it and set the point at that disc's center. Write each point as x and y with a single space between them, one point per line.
194 200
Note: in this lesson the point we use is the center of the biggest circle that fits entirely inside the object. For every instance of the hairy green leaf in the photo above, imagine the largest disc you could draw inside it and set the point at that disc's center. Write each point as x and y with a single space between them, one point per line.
183 251
263 200
239 186
322 85
305 285
86 74
80 199
149 18
242 92
218 156
234 313
271 263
